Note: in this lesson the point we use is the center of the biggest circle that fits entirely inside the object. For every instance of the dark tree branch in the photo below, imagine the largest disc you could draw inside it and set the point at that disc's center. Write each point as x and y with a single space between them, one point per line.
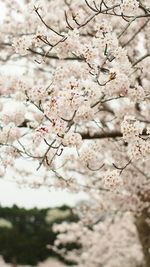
140 59
113 134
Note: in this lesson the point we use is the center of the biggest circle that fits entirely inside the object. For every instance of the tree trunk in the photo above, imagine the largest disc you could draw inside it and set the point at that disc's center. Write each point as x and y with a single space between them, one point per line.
14 262
144 235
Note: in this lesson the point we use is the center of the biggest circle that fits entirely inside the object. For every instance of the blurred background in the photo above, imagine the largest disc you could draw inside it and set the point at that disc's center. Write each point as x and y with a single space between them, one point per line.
26 235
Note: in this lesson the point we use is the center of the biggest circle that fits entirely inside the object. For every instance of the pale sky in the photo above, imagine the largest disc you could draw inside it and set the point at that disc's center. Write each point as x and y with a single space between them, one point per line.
11 194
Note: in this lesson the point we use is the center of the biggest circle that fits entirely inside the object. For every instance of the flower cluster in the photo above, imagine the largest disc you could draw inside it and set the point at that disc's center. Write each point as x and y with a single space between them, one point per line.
131 128
139 148
136 94
22 45
69 46
72 139
129 6
112 180
121 251
16 114
9 133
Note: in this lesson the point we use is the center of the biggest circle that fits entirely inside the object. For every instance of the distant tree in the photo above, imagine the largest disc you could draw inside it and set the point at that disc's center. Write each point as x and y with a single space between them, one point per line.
26 241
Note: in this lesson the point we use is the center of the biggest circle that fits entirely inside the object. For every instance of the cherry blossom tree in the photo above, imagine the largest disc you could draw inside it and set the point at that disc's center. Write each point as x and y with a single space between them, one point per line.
79 113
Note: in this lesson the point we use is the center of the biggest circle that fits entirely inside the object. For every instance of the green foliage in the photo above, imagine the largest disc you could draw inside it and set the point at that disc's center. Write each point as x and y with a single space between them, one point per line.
26 241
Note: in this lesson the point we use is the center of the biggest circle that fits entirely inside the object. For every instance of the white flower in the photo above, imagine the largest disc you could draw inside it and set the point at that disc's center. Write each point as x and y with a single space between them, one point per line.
22 44
112 180
131 128
72 139
129 6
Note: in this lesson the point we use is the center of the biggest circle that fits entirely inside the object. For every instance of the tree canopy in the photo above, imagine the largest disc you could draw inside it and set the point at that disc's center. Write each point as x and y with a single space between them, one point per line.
76 115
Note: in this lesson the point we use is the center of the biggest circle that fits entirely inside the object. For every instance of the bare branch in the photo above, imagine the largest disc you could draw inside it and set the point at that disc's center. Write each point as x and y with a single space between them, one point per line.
140 59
